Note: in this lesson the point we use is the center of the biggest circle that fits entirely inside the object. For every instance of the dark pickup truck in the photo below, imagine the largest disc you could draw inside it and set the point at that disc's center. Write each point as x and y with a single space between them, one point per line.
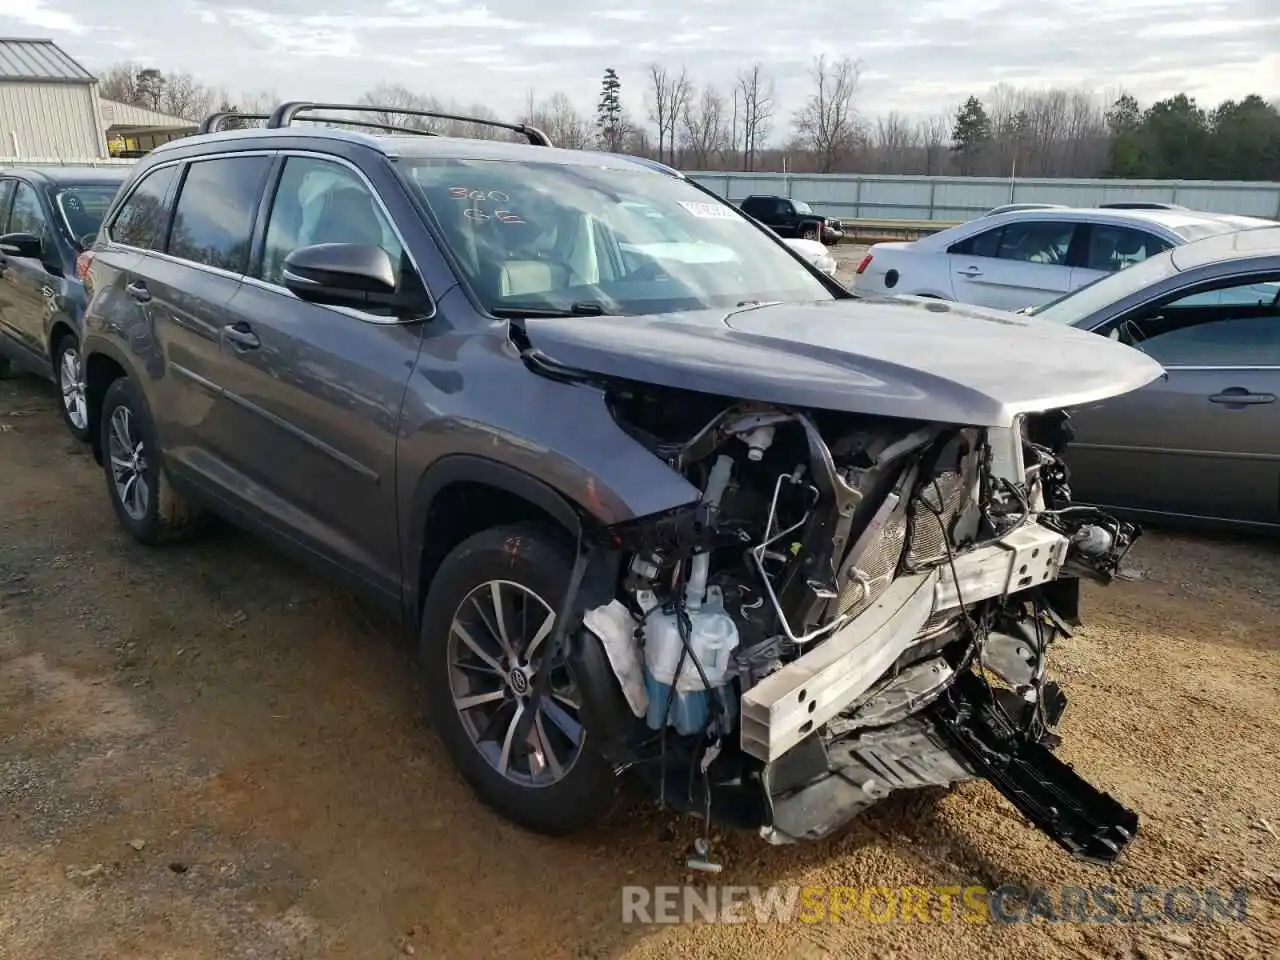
793 218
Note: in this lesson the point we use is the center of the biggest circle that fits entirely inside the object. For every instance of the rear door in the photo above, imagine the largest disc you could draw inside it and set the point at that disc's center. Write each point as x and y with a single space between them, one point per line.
185 290
317 390
1109 247
1202 440
1023 263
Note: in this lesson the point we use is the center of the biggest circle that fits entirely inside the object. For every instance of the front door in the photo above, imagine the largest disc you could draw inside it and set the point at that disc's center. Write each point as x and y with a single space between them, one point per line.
31 283
1201 440
1021 264
319 388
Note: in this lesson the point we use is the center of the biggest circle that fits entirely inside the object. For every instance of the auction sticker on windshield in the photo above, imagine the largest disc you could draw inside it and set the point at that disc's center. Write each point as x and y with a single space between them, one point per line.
711 211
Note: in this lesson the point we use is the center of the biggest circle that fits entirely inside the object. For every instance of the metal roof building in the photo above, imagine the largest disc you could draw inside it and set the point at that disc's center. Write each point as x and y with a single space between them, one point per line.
48 104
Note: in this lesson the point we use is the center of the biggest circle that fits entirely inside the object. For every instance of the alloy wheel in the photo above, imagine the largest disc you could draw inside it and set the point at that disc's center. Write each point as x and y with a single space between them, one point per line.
71 383
497 641
128 465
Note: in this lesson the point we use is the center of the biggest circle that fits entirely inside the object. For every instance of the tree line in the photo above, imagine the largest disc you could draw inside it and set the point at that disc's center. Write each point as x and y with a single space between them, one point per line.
1007 131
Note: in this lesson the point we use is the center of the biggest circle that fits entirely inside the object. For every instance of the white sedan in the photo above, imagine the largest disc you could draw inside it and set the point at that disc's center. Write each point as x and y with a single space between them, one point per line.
1026 258
815 253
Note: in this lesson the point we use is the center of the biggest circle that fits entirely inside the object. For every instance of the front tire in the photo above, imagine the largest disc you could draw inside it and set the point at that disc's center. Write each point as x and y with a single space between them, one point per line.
148 508
68 369
809 233
488 618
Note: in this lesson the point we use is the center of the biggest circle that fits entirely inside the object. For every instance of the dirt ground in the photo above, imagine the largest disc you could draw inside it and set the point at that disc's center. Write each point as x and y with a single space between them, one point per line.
206 753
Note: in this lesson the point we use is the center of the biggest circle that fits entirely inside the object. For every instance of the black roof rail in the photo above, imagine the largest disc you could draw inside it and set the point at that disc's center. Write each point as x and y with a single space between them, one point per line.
213 122
286 113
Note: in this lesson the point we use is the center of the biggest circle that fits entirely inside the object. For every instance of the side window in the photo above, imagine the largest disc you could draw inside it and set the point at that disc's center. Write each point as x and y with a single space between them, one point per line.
6 195
1036 241
983 244
320 201
1227 342
1113 248
143 218
1236 324
213 218
28 215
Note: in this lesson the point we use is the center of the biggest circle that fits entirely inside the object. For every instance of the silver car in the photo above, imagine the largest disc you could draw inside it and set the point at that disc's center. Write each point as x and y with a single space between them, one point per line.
1203 441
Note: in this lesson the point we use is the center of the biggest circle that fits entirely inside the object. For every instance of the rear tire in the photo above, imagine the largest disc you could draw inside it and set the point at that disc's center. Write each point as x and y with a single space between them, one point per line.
550 783
146 505
68 374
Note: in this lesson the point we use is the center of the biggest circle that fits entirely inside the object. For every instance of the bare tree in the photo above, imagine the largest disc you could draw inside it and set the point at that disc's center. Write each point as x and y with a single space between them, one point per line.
560 120
704 127
755 91
894 141
935 135
394 97
828 123
119 82
667 101
182 95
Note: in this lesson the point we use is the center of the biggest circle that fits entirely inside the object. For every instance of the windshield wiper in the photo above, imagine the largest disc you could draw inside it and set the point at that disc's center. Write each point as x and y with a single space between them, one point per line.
516 312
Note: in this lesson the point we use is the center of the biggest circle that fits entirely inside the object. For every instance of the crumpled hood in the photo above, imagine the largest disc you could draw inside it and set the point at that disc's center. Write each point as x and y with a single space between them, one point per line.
897 357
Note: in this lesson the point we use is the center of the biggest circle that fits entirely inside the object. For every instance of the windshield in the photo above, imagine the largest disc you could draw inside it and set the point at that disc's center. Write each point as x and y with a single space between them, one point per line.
82 207
556 237
801 206
1082 303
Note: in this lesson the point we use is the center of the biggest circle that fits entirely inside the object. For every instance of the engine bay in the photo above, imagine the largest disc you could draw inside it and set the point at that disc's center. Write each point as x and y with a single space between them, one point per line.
855 605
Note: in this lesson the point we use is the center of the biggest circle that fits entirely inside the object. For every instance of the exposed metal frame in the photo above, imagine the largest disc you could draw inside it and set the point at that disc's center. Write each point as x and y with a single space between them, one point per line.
286 113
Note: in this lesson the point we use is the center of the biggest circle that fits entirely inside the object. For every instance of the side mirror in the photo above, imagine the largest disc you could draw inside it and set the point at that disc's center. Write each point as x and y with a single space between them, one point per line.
25 245
345 275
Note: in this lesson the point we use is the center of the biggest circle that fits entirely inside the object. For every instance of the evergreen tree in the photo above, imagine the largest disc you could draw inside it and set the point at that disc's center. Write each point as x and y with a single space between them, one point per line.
971 134
609 112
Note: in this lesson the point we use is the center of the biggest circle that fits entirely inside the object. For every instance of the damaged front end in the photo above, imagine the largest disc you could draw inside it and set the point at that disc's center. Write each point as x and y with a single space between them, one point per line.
857 605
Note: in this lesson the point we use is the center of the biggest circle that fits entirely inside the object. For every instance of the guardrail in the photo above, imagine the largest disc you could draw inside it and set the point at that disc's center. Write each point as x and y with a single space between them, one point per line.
865 230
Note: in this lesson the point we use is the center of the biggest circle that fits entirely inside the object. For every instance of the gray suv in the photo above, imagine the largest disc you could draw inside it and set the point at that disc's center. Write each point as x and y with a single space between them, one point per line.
654 497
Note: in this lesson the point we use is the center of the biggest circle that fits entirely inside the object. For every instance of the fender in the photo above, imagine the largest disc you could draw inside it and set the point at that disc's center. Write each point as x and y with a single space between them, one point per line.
462 467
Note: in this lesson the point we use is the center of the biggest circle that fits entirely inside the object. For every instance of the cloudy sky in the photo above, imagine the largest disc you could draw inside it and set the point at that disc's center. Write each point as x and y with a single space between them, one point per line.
919 56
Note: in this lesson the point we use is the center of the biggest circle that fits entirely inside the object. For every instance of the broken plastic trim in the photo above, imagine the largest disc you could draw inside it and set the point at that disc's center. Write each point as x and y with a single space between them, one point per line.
1080 818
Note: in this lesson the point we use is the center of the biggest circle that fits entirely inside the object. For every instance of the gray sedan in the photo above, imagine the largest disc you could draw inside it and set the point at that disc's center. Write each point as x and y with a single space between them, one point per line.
1202 442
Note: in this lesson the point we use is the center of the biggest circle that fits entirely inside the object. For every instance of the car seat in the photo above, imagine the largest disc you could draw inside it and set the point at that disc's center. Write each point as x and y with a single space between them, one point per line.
347 215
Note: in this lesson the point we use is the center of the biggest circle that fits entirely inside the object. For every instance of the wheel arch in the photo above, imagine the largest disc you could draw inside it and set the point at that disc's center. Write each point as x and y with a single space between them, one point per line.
102 367
462 494
60 328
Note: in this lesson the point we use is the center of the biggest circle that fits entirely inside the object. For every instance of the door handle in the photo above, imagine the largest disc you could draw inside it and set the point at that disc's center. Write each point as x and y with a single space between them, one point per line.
138 290
1239 396
241 336
970 272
